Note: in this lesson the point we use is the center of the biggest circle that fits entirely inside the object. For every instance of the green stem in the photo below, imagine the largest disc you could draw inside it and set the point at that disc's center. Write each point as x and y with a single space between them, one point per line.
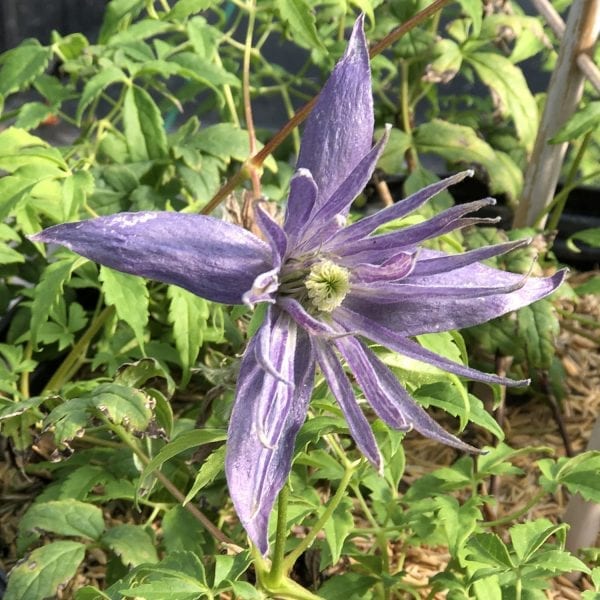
24 386
75 358
411 158
258 159
127 439
293 556
518 513
560 206
577 317
277 573
228 95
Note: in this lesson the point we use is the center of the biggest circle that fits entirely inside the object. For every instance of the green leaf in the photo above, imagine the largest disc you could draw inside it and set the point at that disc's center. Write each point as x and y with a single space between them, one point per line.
509 83
64 517
75 190
392 158
557 562
117 13
301 20
528 538
49 290
460 143
184 441
188 314
98 83
129 295
123 405
140 31
184 8
447 61
584 120
90 593
22 65
144 127
9 256
138 373
211 467
346 586
182 532
537 329
32 114
474 10
44 570
489 549
338 527
581 474
591 236
131 543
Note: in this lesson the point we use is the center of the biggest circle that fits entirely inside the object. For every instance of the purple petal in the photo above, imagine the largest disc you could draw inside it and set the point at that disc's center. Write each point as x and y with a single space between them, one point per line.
429 313
302 198
325 220
360 429
446 221
213 259
397 267
432 262
275 234
266 417
380 334
339 130
382 292
305 320
389 399
369 224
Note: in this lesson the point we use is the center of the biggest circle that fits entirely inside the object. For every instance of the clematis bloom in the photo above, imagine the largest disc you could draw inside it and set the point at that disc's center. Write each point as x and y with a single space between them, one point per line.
328 288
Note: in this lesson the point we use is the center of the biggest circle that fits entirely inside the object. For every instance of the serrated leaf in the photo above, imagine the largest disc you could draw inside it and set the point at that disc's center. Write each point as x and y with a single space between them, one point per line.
64 517
557 562
528 538
80 482
184 441
131 543
461 143
21 65
446 62
474 10
96 85
140 31
182 532
538 327
123 405
338 527
75 190
510 85
31 114
9 256
301 20
230 567
184 8
144 126
129 295
48 291
392 158
117 12
138 373
188 314
339 587
174 588
584 120
44 570
489 549
207 473
90 593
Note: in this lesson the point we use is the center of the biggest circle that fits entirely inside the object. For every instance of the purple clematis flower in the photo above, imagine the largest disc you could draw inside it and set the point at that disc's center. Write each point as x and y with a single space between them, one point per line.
328 288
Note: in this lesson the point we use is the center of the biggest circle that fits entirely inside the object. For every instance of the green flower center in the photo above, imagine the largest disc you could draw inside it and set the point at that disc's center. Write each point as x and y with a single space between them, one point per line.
327 285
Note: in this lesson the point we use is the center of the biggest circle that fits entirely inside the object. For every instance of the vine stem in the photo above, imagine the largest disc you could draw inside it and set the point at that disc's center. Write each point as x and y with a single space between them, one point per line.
277 572
254 170
77 354
171 487
340 493
518 513
256 161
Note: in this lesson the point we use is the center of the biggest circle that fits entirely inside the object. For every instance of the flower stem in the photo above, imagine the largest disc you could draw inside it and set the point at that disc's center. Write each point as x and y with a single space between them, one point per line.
293 556
257 159
276 573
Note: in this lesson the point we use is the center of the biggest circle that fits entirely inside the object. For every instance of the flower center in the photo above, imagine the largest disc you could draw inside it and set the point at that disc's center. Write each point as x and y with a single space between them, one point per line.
327 285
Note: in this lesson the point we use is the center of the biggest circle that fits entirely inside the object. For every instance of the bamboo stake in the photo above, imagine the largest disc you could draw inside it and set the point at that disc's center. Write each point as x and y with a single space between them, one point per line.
564 94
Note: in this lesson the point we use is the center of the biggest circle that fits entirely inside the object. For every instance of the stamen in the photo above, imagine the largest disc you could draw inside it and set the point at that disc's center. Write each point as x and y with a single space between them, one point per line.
327 285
